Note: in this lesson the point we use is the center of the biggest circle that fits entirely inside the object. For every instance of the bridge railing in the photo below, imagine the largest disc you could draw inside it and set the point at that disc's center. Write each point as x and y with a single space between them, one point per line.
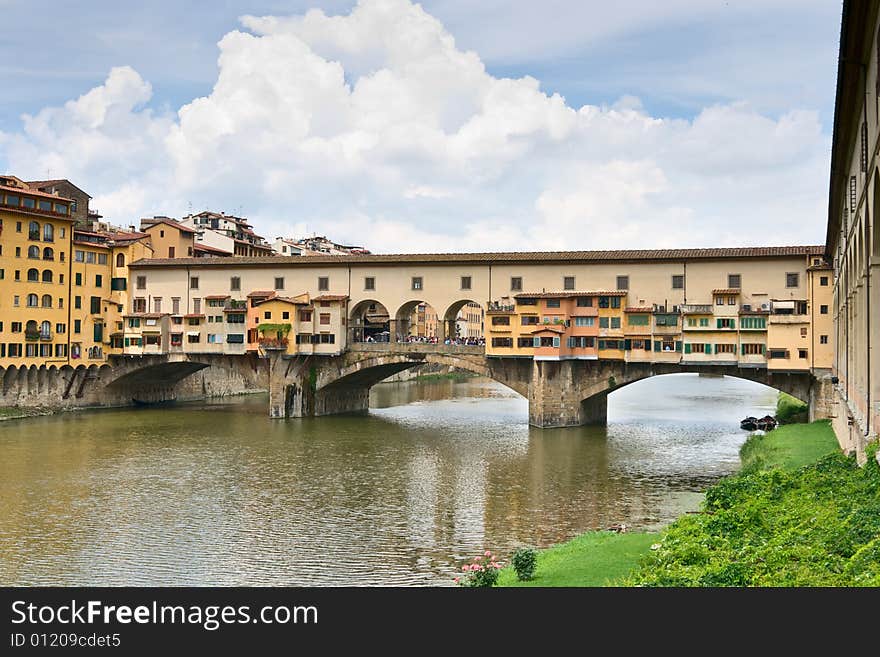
415 348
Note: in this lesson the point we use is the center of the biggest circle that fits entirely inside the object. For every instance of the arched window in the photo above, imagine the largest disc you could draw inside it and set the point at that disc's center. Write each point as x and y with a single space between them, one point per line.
33 251
120 260
31 326
47 301
47 275
34 230
32 301
33 275
48 253
45 329
48 233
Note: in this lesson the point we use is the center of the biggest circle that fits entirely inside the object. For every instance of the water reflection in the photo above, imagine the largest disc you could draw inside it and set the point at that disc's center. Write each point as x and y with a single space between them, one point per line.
218 494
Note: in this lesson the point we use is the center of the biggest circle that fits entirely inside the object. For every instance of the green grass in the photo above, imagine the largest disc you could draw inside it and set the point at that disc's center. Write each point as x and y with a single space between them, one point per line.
788 447
790 410
591 559
449 375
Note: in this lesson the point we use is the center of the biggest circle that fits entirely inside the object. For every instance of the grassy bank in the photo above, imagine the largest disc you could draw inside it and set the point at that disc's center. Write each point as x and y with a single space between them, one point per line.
799 513
16 413
787 520
444 376
790 410
591 559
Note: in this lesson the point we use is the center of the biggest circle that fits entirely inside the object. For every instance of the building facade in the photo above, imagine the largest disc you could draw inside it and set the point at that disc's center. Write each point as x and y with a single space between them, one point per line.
853 238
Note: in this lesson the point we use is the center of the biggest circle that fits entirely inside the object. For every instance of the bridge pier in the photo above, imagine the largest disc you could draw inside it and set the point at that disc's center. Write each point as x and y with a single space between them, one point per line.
555 397
342 399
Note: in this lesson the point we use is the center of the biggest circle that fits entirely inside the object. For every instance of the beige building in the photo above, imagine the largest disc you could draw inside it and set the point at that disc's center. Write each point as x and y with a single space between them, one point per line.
853 238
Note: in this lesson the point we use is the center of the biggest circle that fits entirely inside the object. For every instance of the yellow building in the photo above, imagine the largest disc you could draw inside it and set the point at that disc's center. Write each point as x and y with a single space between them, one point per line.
168 238
35 240
300 325
611 315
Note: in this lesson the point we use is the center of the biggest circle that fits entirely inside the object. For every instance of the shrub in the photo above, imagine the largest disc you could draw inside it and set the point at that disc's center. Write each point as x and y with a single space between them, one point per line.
483 571
790 410
525 560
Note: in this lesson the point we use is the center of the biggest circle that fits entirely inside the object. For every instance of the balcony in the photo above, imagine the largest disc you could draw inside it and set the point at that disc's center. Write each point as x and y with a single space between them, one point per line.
788 319
496 307
234 304
273 344
31 336
696 309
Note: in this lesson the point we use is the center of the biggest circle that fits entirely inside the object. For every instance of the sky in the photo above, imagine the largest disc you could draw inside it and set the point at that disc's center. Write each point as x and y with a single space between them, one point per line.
444 126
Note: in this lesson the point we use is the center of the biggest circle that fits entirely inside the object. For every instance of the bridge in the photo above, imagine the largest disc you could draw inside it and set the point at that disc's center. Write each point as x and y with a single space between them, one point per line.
560 393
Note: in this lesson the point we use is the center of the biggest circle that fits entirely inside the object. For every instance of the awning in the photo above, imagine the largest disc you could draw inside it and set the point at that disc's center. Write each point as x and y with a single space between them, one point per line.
783 305
193 332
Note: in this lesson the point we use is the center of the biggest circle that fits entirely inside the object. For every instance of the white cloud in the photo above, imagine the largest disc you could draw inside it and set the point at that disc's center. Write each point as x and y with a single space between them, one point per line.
375 128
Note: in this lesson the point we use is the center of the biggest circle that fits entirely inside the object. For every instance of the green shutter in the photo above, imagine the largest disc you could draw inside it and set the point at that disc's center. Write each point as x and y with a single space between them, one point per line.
627 344
658 346
678 346
717 323
742 349
687 348
708 348
555 342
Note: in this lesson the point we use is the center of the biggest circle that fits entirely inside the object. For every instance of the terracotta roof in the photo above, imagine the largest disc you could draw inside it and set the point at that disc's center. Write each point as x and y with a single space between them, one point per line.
259 293
217 296
283 300
549 327
35 192
210 249
639 309
727 290
568 294
93 244
174 224
330 297
499 257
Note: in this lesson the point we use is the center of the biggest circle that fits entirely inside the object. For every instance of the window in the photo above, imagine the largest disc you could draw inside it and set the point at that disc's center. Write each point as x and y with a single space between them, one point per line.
465 282
90 257
46 206
502 342
792 279
48 253
719 301
99 280
235 338
323 283
77 326
568 283
528 320
516 283
584 321
79 256
95 305
31 301
623 282
324 319
46 301
552 303
212 338
60 327
704 321
285 314
120 260
18 252
823 280
753 323
47 276
734 280
118 284
193 282
141 283
33 275
524 342
752 349
777 353
175 305
305 315
677 282
78 279
615 302
802 353
603 322
502 320
725 323
725 348
34 252
17 223
279 282
267 314
637 320
33 228
17 274
584 302
731 301
369 283
193 338
172 252
15 327
615 322
823 309
157 304
417 282
102 258
139 305
823 339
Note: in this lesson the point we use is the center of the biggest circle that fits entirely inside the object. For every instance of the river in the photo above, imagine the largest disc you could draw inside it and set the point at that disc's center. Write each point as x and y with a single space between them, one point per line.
216 493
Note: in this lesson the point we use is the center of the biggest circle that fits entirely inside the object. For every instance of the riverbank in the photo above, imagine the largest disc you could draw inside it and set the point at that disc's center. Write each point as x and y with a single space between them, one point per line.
799 513
16 413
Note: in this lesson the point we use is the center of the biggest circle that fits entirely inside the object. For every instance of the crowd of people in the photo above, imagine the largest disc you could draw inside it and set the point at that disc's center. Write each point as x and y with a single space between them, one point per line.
456 341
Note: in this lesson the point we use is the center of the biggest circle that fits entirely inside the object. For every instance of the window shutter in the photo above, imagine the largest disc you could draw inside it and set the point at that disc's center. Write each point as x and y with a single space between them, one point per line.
687 347
742 349
678 346
658 345
555 342
601 344
717 323
536 342
708 348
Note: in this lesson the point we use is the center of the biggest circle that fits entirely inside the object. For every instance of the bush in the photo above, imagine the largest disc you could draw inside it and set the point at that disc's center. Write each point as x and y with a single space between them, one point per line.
525 561
790 410
483 571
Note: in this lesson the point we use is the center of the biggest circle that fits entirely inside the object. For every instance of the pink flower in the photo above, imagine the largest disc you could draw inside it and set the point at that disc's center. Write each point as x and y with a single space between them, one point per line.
465 568
477 558
456 580
488 553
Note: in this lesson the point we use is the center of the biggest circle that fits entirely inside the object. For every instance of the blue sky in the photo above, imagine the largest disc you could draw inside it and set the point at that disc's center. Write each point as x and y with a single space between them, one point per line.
700 67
